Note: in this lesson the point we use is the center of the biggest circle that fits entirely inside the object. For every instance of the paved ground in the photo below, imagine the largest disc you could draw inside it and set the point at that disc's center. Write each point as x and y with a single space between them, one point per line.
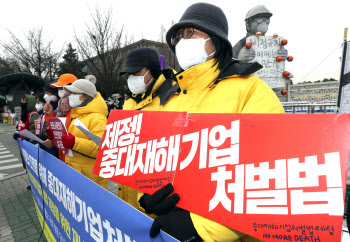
7 128
18 218
10 159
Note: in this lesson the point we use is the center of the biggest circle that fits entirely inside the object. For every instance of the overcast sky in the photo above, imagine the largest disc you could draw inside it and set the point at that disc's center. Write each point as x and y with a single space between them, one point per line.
314 29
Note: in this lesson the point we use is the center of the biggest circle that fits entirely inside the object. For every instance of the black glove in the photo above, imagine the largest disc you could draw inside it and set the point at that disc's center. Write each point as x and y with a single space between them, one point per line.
15 135
159 202
177 223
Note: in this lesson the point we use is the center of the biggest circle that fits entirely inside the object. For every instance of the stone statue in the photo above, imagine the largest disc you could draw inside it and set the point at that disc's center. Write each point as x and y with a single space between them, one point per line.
256 20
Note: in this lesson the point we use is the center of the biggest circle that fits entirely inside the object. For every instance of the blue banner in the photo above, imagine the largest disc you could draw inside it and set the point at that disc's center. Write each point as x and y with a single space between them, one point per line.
76 208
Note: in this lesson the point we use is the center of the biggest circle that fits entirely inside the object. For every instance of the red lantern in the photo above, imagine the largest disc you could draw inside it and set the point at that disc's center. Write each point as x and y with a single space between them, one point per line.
248 45
286 74
284 42
284 92
279 58
290 58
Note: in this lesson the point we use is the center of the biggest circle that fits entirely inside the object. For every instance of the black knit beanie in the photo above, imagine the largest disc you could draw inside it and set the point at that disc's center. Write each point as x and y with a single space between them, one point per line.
206 17
52 90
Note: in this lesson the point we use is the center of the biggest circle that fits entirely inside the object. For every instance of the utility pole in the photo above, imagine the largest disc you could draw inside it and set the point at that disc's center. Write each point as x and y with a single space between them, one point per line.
344 82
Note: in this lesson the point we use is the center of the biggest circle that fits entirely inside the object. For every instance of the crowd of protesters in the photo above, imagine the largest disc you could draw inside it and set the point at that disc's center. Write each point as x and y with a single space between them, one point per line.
210 81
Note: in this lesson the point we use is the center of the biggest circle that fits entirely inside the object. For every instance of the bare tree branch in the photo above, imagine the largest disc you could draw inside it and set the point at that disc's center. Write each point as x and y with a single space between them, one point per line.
101 49
34 55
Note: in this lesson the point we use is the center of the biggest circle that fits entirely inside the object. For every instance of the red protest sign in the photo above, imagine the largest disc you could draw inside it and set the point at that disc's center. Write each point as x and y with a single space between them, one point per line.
39 124
281 176
58 128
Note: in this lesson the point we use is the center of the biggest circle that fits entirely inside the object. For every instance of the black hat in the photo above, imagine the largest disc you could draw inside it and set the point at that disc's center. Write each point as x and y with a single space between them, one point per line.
204 16
140 58
52 90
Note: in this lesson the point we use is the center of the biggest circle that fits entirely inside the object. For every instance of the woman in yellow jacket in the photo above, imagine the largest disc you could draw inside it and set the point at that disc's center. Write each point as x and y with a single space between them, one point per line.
89 107
211 82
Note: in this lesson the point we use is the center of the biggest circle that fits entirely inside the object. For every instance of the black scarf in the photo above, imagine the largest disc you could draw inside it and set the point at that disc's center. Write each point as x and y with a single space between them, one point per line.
24 112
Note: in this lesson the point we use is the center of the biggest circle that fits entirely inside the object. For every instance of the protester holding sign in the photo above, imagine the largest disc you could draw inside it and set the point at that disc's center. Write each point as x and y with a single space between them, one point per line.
143 69
28 115
144 79
41 126
63 103
51 97
64 109
211 82
89 107
50 107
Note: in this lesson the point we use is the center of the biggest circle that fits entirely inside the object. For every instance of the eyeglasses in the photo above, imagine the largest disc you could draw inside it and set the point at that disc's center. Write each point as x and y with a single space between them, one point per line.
185 33
260 20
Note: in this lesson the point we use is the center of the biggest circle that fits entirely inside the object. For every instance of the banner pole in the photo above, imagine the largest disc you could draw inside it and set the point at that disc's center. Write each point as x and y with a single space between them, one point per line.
343 59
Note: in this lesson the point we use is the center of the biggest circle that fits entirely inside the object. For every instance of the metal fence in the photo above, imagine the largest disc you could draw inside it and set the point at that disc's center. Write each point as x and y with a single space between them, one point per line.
307 107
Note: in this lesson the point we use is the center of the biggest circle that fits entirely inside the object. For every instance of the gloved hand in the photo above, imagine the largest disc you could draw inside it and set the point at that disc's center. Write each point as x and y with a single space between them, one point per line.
68 141
49 134
177 223
15 135
159 202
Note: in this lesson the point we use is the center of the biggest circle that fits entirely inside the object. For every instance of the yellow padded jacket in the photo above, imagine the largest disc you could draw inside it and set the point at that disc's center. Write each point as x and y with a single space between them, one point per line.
151 103
94 117
204 89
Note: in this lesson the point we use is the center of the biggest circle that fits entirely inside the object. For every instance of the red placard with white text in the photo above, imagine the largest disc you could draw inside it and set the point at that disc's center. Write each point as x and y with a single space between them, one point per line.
58 128
38 125
272 176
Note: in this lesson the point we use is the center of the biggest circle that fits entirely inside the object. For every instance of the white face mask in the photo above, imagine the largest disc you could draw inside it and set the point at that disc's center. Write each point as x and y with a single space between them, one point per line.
61 93
263 27
39 106
74 100
48 98
190 52
137 84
